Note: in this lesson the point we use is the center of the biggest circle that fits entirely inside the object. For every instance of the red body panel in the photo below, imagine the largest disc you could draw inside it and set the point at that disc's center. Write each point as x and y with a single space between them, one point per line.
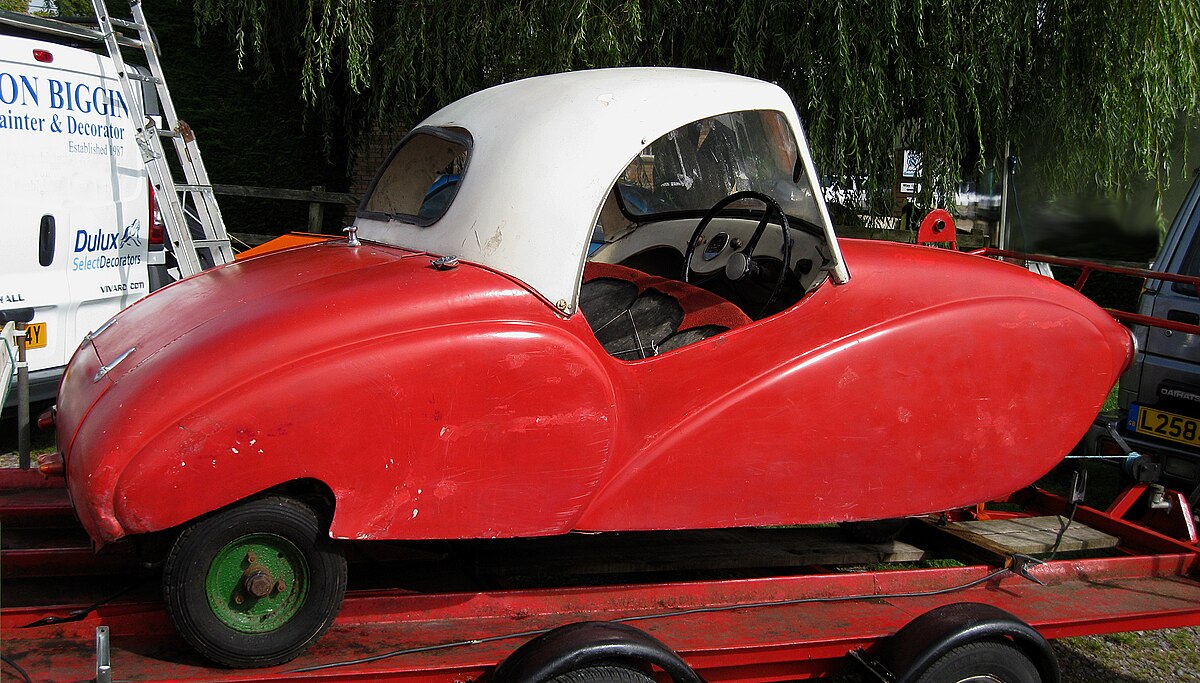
433 404
453 404
921 385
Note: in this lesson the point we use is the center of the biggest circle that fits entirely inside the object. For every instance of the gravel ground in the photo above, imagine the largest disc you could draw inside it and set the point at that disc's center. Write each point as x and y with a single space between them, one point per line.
1166 656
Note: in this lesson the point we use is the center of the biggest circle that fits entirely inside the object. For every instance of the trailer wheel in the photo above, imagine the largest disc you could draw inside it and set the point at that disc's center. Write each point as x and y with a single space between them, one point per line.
254 585
984 661
603 674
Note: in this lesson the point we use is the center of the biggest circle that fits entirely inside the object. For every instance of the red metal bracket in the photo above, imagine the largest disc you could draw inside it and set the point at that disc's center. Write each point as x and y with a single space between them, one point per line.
938 226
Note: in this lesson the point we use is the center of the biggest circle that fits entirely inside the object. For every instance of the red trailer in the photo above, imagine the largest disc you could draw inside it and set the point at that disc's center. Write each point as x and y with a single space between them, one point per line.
989 616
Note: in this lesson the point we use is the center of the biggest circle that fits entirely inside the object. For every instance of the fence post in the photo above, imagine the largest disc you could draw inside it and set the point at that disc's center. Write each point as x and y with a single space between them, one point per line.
316 212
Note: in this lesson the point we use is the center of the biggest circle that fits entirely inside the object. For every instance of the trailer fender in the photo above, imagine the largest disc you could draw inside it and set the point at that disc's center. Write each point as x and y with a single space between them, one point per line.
588 643
914 648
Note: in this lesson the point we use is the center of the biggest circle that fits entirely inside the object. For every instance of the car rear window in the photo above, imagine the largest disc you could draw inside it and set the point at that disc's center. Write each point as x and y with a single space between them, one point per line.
421 178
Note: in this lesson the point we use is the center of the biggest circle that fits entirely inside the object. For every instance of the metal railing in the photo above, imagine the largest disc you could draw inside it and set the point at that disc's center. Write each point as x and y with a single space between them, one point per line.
1089 267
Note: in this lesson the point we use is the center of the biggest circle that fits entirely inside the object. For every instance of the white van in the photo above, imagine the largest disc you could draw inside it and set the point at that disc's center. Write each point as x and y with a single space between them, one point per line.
79 239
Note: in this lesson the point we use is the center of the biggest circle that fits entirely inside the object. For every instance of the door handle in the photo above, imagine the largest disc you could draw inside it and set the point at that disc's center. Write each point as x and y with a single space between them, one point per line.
46 241
1187 317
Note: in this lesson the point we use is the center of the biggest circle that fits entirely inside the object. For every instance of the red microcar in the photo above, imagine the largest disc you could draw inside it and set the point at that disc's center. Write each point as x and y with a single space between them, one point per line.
594 301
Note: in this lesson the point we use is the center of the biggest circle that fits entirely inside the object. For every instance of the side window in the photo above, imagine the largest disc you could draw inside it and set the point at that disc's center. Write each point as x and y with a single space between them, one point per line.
422 177
1191 263
696 165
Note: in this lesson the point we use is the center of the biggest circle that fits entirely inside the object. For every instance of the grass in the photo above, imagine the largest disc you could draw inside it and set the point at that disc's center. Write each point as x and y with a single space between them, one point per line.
1128 638
1110 403
40 442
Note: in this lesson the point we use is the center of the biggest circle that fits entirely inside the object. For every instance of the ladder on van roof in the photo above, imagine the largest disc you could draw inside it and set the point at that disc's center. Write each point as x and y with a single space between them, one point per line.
195 228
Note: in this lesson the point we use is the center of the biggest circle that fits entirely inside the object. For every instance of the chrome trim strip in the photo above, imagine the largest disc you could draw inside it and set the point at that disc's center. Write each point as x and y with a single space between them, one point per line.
107 323
105 369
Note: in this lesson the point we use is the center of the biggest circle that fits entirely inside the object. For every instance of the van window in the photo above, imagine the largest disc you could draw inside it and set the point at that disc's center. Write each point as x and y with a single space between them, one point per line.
1191 266
422 177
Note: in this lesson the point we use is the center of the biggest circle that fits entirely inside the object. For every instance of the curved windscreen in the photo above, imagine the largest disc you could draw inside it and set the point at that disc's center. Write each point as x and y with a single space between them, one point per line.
696 165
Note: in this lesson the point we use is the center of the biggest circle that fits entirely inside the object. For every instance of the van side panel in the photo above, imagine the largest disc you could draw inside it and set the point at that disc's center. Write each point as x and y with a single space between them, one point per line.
73 198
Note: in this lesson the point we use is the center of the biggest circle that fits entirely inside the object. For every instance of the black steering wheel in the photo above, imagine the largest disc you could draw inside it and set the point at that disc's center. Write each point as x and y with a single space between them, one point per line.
740 264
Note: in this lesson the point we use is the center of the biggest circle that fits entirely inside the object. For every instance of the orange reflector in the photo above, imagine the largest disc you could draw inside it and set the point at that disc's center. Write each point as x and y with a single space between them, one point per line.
51 465
46 420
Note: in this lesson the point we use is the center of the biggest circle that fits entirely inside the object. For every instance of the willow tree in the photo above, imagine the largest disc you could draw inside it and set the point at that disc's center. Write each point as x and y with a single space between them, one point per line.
1098 88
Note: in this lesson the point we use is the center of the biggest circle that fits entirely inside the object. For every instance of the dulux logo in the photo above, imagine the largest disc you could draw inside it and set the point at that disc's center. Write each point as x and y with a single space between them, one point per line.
104 241
131 234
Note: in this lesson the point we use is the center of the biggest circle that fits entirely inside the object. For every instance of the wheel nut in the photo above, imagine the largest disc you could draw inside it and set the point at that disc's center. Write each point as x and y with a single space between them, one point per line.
251 558
280 586
238 599
258 582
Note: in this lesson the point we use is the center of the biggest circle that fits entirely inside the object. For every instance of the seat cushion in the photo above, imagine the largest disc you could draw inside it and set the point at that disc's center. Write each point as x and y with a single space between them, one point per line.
636 315
701 308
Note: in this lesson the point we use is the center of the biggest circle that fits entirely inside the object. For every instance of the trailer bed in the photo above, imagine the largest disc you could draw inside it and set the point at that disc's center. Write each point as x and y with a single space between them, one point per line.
769 628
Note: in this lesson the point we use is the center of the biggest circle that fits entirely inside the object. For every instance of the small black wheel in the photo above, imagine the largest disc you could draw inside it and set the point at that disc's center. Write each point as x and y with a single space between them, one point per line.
984 661
875 531
254 585
603 674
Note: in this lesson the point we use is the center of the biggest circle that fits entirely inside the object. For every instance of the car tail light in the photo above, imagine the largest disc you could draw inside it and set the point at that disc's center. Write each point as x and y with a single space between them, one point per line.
46 420
43 56
157 227
51 465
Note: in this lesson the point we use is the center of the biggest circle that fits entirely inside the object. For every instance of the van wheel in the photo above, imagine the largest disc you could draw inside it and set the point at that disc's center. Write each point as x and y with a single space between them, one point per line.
983 661
256 584
603 674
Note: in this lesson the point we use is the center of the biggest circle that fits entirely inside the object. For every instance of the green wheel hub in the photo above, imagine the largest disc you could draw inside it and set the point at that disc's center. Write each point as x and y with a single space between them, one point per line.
257 583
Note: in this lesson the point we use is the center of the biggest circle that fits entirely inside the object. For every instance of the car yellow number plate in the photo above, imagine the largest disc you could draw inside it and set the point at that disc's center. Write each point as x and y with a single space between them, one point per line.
35 336
1166 425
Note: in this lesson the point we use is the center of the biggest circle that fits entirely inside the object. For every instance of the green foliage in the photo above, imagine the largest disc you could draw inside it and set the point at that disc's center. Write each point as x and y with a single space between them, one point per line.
71 8
14 5
251 130
1090 92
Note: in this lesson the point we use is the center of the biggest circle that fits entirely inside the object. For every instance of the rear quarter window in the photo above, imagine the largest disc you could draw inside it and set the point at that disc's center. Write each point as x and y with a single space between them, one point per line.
421 178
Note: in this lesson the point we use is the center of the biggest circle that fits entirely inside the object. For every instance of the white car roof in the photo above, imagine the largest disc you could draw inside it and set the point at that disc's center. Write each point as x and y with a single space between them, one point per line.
546 152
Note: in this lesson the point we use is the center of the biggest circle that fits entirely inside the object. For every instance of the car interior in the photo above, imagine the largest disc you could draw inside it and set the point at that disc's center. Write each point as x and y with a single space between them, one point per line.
637 302
709 229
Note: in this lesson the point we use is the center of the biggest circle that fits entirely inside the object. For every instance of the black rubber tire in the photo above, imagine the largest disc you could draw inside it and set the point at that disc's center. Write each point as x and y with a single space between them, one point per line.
187 566
1000 660
603 674
876 531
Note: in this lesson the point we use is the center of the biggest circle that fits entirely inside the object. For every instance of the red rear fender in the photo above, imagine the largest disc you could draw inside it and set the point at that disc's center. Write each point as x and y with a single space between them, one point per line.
458 431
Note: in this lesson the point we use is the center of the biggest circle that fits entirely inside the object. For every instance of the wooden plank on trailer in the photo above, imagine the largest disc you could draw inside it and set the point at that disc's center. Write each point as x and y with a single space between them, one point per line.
1032 535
